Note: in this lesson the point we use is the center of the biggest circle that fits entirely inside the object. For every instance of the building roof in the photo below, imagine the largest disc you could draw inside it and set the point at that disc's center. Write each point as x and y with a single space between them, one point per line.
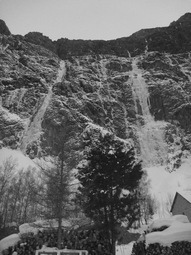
186 194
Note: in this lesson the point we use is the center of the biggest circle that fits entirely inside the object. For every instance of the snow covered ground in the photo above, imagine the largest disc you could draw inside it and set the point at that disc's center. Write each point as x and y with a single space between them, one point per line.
164 185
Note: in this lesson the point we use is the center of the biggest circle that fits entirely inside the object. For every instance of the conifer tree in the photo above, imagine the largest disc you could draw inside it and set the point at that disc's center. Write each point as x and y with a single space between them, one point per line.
109 178
58 171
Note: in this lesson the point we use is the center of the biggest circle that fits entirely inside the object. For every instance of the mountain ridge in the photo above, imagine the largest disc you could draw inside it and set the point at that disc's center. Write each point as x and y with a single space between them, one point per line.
173 39
134 44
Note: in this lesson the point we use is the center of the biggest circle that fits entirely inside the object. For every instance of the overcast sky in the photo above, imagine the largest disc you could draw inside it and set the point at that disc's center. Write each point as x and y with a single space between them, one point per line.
89 19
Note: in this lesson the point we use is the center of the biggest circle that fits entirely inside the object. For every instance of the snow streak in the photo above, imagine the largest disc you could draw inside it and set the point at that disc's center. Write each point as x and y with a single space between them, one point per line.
33 129
140 91
15 97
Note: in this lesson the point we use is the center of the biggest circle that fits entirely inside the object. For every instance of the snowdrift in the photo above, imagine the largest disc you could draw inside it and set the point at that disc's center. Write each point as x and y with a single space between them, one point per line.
8 241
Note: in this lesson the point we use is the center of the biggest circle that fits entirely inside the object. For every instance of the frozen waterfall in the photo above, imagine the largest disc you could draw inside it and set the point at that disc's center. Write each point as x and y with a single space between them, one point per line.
151 134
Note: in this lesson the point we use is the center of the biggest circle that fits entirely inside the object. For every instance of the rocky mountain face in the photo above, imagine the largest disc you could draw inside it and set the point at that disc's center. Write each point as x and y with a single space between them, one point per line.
137 87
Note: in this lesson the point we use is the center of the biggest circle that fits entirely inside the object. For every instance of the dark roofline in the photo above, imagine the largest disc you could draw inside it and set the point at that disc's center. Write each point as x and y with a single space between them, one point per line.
175 200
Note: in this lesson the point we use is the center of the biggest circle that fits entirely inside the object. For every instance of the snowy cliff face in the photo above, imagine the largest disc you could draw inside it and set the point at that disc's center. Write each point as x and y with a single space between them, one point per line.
28 73
143 98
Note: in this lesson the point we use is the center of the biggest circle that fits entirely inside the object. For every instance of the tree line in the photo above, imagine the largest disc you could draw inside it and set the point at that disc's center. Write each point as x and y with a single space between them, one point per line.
19 191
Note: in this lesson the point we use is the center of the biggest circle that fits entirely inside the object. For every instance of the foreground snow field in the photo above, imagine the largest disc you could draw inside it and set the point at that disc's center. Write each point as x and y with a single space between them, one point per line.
164 185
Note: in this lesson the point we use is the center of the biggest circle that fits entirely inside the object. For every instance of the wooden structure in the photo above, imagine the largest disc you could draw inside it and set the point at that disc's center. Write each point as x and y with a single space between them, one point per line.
52 251
182 204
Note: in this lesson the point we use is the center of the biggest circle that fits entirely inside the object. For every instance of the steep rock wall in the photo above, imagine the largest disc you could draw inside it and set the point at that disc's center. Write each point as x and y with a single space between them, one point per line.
41 95
27 72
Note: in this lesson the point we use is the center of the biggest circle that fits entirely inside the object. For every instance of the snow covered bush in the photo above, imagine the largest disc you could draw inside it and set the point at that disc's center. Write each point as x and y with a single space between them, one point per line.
181 248
177 248
158 249
139 248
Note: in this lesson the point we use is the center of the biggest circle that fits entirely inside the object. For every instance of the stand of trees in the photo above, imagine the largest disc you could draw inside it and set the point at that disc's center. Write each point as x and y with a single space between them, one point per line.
25 197
18 193
109 178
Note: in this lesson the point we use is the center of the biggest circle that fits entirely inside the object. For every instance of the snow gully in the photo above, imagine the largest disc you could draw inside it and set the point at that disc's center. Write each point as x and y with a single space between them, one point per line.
33 128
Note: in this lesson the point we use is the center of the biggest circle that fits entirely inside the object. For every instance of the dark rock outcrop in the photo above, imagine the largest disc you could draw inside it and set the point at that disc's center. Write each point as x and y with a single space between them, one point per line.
40 39
3 28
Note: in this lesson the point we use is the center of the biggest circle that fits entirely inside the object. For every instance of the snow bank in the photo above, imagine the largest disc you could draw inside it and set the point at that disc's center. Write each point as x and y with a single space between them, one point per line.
179 229
9 241
176 232
167 222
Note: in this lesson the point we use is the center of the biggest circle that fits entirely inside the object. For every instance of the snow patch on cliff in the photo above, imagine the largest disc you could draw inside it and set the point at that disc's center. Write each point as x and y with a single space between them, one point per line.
22 160
9 117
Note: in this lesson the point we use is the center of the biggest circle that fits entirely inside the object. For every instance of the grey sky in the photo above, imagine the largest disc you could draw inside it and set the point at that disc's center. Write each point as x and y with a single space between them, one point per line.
89 19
